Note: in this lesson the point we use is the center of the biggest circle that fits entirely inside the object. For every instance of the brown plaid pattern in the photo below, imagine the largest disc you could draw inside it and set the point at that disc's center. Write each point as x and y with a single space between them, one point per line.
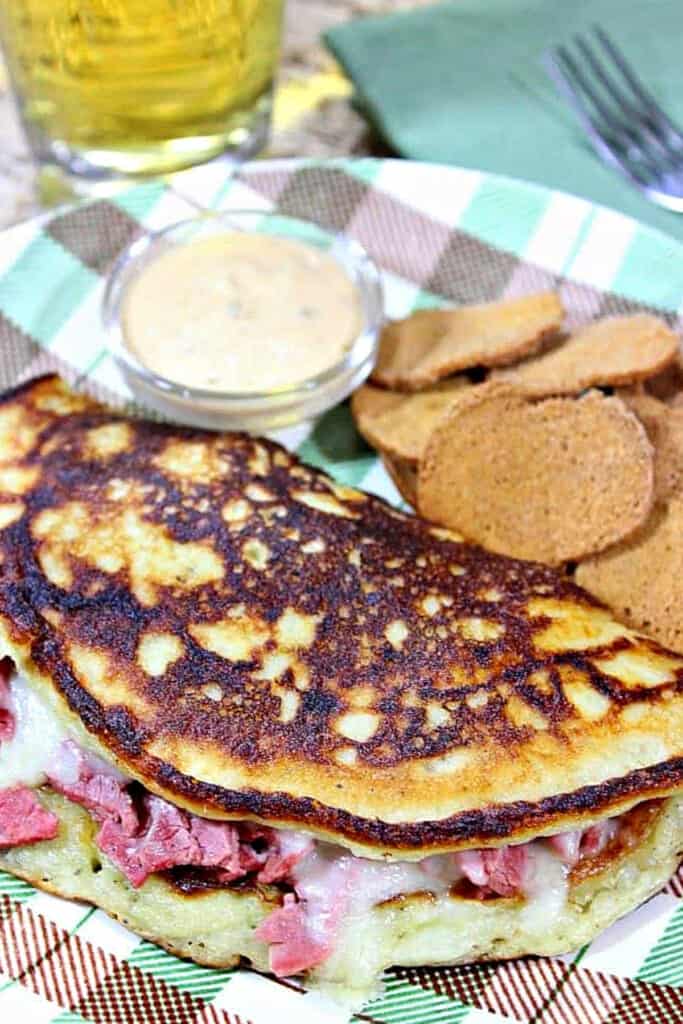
469 270
447 261
546 991
675 886
643 1001
17 352
326 195
95 233
76 975
399 238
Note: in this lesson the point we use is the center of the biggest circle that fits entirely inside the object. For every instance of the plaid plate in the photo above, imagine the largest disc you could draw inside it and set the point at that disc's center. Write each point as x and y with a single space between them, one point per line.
436 233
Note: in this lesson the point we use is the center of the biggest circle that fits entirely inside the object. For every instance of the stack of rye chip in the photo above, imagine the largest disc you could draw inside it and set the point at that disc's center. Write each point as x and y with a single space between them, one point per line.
565 449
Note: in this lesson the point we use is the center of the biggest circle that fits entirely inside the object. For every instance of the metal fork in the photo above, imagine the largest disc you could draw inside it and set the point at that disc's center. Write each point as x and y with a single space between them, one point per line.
627 127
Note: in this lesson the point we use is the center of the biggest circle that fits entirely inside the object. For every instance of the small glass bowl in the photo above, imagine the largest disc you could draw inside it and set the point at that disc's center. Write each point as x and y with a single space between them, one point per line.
252 411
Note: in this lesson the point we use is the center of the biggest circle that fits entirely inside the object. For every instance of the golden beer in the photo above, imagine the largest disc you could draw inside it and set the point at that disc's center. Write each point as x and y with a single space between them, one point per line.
141 86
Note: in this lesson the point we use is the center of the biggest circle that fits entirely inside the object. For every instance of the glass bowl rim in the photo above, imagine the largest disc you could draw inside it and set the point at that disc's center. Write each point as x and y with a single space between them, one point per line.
369 279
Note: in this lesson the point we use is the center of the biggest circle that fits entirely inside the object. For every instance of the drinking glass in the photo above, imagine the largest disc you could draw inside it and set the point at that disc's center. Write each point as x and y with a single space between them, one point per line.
112 88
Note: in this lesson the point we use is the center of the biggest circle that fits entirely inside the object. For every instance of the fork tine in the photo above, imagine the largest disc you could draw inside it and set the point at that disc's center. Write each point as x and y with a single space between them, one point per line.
554 63
636 139
635 118
613 129
559 66
637 88
598 69
609 118
551 62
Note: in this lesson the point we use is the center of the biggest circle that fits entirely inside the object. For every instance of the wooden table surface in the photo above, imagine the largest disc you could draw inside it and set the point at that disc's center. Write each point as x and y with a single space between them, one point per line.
313 115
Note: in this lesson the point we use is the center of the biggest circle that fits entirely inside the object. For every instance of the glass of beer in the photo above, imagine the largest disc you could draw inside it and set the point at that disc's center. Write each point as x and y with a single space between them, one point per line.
116 88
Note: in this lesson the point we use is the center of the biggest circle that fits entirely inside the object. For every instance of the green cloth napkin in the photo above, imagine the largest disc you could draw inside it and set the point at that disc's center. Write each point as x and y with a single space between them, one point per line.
462 83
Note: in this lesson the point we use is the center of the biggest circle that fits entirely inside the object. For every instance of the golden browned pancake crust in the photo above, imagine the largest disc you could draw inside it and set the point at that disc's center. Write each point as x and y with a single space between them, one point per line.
252 640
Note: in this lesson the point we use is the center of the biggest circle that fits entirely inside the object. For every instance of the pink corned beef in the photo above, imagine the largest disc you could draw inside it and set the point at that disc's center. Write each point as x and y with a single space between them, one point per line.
572 846
503 871
567 845
596 838
303 931
23 819
292 947
95 785
166 836
291 847
6 715
169 838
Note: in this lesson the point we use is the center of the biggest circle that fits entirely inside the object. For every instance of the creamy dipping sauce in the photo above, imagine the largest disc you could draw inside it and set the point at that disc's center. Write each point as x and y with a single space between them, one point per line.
241 312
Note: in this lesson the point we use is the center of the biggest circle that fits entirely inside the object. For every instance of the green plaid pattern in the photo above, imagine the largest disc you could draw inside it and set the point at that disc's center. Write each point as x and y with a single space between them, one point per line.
437 233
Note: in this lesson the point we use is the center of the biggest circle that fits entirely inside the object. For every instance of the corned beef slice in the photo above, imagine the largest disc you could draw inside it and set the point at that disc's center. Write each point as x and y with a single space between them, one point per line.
6 716
291 848
567 845
503 871
303 931
171 837
167 836
292 947
595 839
92 783
572 846
507 869
23 819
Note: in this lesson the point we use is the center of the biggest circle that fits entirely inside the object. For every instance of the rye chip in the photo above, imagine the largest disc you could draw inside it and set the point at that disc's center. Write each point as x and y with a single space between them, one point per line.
398 424
552 480
668 385
664 427
434 343
642 578
608 353
404 476
367 403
